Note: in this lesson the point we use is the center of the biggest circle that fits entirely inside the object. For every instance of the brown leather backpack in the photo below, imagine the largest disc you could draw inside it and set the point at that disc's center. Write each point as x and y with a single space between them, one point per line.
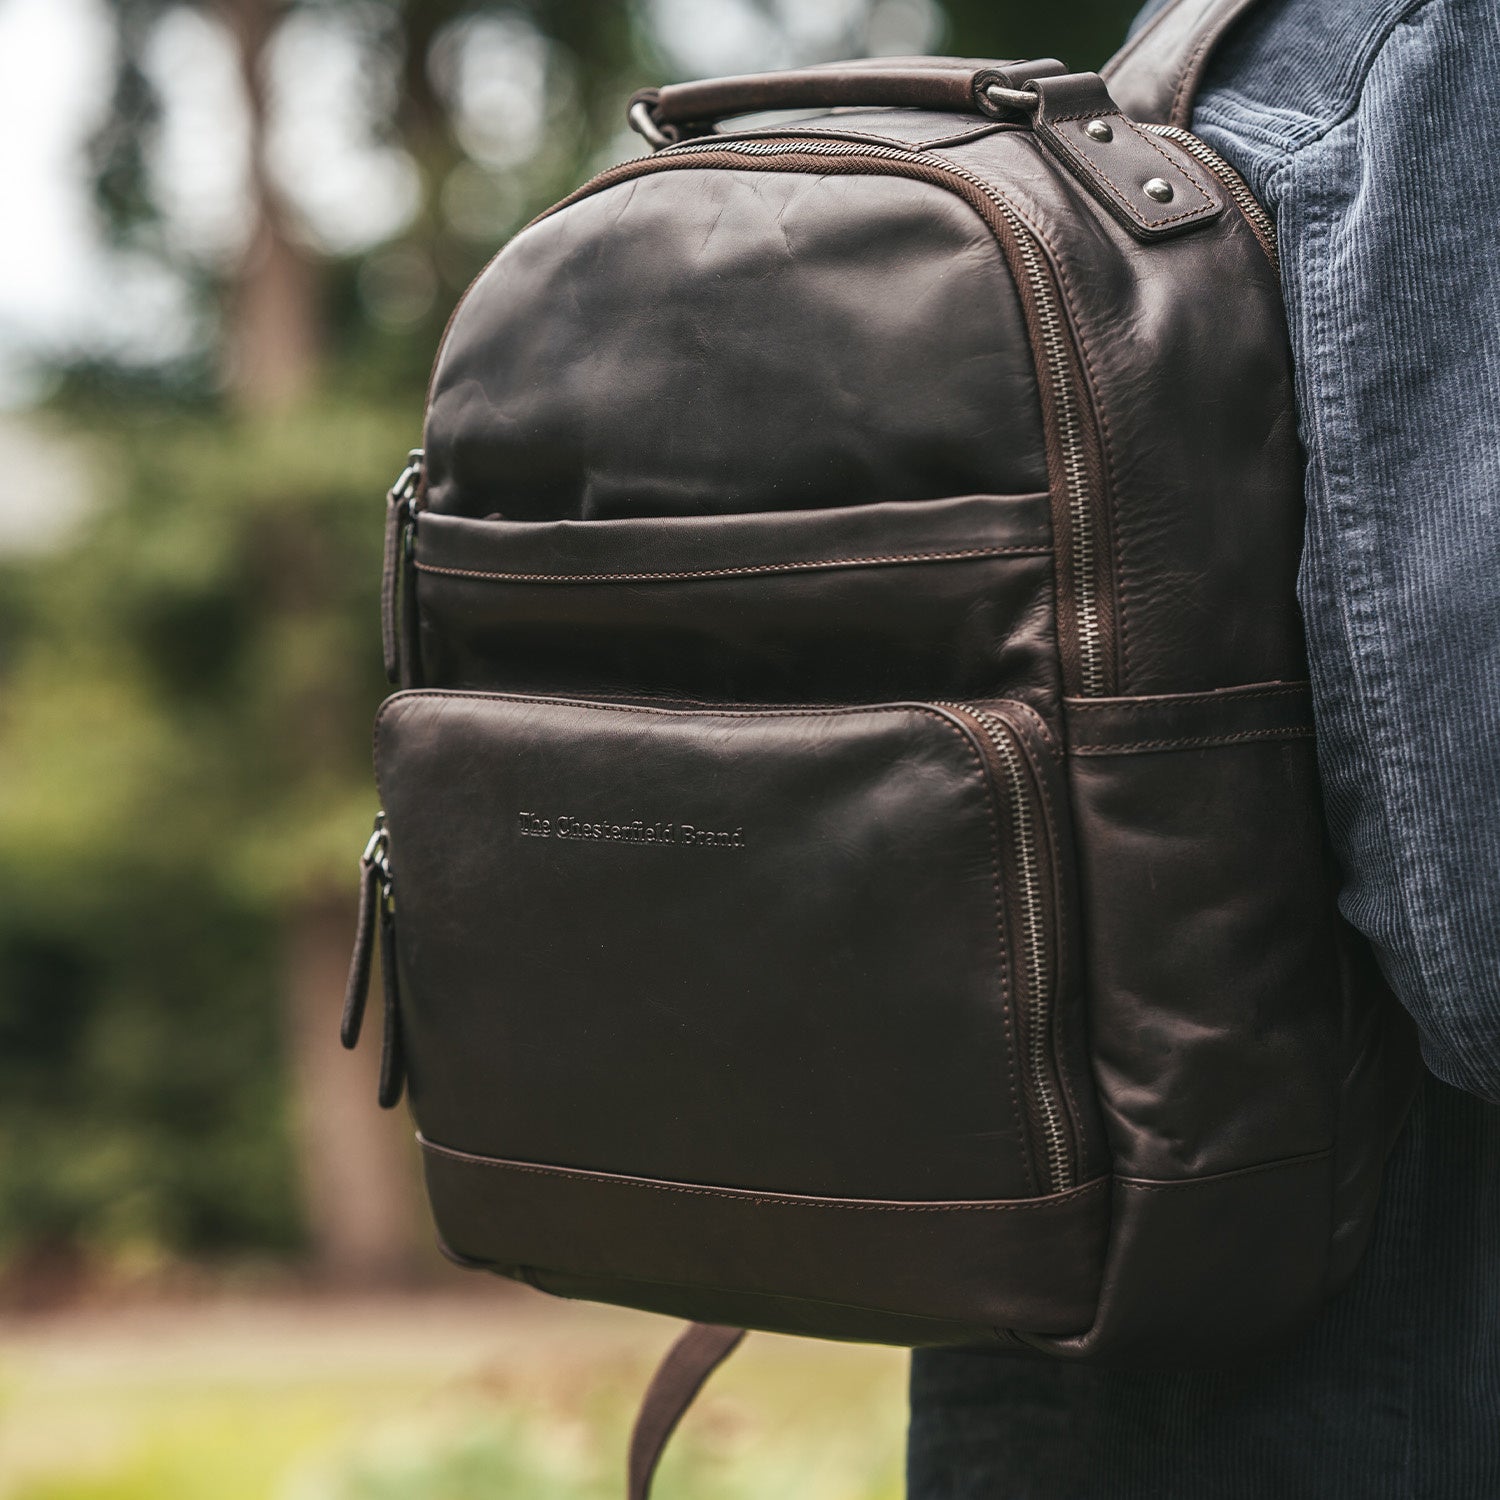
852 860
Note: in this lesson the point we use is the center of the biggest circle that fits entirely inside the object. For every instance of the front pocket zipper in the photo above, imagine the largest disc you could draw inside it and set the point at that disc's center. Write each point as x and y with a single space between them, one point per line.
1019 796
609 810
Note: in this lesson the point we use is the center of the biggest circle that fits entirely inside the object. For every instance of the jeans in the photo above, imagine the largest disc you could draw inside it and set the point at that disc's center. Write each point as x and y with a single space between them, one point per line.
1369 128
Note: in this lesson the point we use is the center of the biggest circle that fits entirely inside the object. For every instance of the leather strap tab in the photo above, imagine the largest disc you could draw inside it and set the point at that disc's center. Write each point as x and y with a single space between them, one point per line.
1156 75
678 1379
1148 184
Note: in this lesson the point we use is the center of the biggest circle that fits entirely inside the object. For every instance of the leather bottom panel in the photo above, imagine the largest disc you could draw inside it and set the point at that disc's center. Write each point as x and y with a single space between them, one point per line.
771 1314
880 1270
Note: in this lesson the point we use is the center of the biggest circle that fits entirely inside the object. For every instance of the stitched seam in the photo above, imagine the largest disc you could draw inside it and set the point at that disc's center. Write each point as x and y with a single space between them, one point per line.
642 708
1089 164
962 138
1146 1185
1094 166
1171 161
803 130
1229 696
736 1195
1038 723
789 567
407 695
1207 740
791 133
1333 480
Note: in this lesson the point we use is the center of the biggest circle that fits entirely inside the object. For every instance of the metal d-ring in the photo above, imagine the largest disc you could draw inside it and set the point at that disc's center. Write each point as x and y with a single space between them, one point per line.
995 98
643 122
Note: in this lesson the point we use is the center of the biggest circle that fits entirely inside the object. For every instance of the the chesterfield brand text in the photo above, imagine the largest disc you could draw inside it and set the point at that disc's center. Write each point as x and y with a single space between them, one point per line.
534 826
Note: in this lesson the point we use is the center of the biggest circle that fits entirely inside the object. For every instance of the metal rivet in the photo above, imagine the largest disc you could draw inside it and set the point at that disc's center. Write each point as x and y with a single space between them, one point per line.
1097 130
1158 188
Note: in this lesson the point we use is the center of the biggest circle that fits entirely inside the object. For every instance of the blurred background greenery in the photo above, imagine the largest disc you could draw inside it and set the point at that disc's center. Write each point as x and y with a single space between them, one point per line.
235 229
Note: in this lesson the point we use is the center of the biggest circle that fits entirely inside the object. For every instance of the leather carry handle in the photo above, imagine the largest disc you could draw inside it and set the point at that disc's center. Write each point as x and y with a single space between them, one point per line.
950 84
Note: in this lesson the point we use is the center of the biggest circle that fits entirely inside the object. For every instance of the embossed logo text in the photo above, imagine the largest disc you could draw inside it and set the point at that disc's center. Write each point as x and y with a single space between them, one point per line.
638 831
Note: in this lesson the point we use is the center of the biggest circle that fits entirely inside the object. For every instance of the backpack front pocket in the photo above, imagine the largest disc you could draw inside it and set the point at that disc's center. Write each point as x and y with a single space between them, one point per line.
793 952
948 598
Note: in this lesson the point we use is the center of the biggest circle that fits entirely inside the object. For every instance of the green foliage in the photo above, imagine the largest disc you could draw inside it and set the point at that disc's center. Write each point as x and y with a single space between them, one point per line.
183 752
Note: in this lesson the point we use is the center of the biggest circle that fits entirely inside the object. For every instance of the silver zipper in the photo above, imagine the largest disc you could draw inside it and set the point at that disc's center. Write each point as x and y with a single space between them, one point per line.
1033 905
1247 203
377 855
409 480
1093 671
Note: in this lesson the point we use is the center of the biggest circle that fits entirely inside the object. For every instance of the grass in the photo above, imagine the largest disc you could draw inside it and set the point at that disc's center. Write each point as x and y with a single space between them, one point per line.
504 1396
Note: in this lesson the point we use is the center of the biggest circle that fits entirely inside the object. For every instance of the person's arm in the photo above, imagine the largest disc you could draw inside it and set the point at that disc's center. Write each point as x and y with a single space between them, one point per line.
1387 197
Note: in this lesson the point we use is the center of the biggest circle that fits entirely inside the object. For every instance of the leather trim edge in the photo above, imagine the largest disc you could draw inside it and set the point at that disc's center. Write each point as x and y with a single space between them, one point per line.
763 1198
1257 712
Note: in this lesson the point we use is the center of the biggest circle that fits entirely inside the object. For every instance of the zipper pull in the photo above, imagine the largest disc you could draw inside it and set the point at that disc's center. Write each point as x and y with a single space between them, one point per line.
374 872
392 1055
396 601
377 921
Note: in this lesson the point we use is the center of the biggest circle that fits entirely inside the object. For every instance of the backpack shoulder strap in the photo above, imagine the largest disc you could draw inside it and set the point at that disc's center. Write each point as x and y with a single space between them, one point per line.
1155 76
678 1379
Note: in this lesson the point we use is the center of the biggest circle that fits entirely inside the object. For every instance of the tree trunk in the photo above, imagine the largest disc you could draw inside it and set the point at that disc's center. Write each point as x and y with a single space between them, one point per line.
273 341
357 1163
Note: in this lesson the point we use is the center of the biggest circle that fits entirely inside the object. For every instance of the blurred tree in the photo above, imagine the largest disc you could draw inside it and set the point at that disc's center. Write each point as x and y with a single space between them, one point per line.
183 787
358 1201
273 339
184 774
